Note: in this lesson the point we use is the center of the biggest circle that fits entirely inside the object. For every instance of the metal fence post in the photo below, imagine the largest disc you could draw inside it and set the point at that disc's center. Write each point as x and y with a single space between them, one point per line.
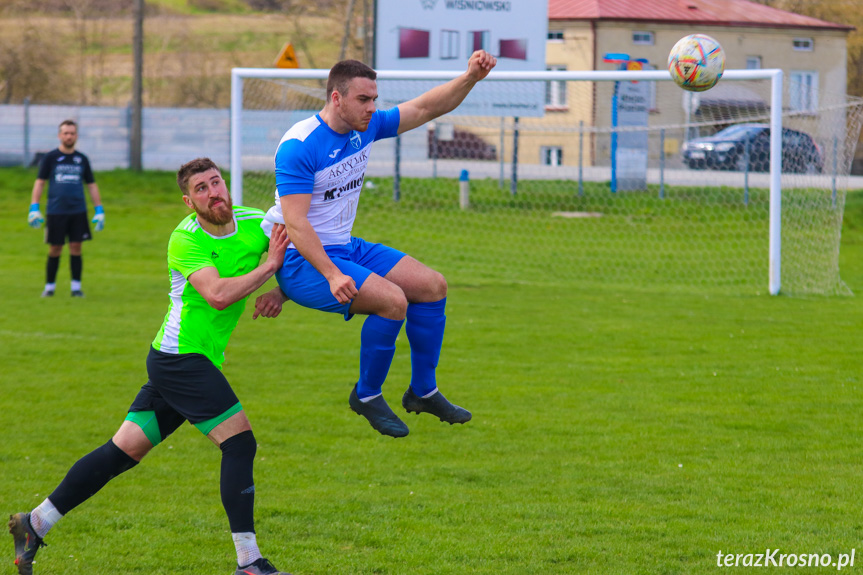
580 158
513 184
397 178
25 161
662 164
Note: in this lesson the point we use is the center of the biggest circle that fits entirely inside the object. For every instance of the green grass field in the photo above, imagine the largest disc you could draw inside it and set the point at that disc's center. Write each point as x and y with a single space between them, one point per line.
618 429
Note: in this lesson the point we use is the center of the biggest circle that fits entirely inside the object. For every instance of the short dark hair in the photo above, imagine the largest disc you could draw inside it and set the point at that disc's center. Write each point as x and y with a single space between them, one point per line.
345 71
67 123
189 169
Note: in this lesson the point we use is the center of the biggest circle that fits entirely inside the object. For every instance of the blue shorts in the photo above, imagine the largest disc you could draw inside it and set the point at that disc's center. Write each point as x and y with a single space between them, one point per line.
306 286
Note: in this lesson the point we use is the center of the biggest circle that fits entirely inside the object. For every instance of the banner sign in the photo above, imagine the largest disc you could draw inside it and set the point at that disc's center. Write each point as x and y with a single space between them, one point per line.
442 34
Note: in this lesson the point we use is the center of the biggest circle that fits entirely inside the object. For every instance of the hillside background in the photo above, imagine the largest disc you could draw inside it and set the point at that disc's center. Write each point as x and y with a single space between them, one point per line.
79 52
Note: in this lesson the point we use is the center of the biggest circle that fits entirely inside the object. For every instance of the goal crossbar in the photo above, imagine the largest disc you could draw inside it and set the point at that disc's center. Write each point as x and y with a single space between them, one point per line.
775 76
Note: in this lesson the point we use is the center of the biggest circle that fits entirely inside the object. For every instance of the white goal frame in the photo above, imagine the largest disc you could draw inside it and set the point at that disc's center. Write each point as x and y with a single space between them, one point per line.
775 75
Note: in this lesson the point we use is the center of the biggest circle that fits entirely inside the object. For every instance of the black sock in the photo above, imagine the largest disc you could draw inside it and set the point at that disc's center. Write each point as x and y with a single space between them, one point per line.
77 265
51 269
237 483
90 474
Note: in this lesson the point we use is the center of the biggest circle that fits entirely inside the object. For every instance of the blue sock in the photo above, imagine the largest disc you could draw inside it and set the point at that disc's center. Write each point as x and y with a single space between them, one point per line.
424 328
377 347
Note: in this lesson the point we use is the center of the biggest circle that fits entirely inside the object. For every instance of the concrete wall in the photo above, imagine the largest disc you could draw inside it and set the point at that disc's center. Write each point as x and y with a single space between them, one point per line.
172 136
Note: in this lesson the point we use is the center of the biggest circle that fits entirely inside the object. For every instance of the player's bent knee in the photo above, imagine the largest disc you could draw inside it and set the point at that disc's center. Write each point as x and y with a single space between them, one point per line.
242 445
137 435
399 305
394 309
381 297
439 287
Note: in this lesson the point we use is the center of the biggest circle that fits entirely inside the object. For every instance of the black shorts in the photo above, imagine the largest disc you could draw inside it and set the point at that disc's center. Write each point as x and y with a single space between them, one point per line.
58 227
184 387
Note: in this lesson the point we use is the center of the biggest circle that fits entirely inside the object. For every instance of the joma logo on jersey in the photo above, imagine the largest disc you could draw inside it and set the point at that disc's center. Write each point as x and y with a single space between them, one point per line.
331 193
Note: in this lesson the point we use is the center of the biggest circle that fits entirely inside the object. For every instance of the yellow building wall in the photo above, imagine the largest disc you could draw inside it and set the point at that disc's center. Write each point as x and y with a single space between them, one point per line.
591 104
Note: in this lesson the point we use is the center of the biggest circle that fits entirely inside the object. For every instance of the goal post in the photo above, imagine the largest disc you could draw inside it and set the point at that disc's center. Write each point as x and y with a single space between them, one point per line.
302 91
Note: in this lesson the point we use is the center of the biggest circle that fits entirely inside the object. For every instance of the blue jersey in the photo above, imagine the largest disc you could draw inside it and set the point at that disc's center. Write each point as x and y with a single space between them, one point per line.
66 175
313 159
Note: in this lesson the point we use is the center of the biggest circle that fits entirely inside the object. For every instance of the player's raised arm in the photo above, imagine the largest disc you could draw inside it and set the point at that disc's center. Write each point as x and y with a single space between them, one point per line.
445 98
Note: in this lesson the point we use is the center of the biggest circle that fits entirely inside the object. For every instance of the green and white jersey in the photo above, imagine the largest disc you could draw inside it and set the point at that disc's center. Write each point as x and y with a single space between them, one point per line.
192 325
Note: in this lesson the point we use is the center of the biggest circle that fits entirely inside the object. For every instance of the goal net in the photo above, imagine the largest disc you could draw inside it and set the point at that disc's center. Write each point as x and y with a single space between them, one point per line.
579 186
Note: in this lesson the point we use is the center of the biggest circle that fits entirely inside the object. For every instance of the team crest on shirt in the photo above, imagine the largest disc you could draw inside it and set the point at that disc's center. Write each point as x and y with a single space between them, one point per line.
356 140
77 159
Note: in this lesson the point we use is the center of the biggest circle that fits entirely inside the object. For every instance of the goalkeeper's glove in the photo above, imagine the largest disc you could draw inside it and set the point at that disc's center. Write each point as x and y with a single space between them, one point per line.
99 219
34 218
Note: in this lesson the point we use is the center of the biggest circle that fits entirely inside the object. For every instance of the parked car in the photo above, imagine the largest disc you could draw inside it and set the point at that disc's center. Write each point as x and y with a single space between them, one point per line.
463 146
726 150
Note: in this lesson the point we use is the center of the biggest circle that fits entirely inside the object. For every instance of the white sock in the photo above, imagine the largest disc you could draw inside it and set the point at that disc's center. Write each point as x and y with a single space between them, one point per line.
43 518
247 548
50 287
76 285
429 394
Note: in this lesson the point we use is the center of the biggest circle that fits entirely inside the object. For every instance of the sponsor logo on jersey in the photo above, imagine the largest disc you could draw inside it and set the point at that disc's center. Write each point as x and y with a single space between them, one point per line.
335 152
332 193
355 162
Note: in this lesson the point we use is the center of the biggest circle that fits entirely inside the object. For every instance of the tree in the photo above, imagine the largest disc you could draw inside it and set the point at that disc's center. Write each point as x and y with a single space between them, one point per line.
30 68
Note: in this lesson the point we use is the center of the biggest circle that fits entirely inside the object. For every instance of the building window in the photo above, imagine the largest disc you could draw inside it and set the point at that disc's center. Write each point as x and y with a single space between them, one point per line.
803 89
555 35
551 155
804 44
651 95
478 40
555 90
448 44
753 62
642 38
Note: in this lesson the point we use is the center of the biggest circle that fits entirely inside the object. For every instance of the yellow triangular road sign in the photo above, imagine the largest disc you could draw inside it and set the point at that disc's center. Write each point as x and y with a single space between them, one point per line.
287 58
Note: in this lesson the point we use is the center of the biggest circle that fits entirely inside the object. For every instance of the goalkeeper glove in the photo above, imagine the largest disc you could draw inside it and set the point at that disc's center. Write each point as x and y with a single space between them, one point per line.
99 218
34 218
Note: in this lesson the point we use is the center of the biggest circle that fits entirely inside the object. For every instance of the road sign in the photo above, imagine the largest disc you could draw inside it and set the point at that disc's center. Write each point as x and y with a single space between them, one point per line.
287 58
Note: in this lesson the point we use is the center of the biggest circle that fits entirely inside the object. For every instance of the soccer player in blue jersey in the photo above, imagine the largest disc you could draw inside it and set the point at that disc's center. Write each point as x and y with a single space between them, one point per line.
320 167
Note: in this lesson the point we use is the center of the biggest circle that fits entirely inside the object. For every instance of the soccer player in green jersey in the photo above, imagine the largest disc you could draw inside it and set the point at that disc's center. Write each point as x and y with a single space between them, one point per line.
213 260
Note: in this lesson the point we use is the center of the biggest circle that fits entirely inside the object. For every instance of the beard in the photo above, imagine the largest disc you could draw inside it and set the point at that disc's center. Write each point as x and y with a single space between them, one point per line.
218 215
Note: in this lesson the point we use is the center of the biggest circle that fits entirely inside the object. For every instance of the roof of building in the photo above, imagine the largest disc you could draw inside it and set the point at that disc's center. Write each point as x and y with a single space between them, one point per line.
736 13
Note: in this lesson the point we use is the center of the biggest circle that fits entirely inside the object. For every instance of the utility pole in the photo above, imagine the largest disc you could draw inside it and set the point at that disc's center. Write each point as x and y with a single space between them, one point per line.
347 33
135 134
369 13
